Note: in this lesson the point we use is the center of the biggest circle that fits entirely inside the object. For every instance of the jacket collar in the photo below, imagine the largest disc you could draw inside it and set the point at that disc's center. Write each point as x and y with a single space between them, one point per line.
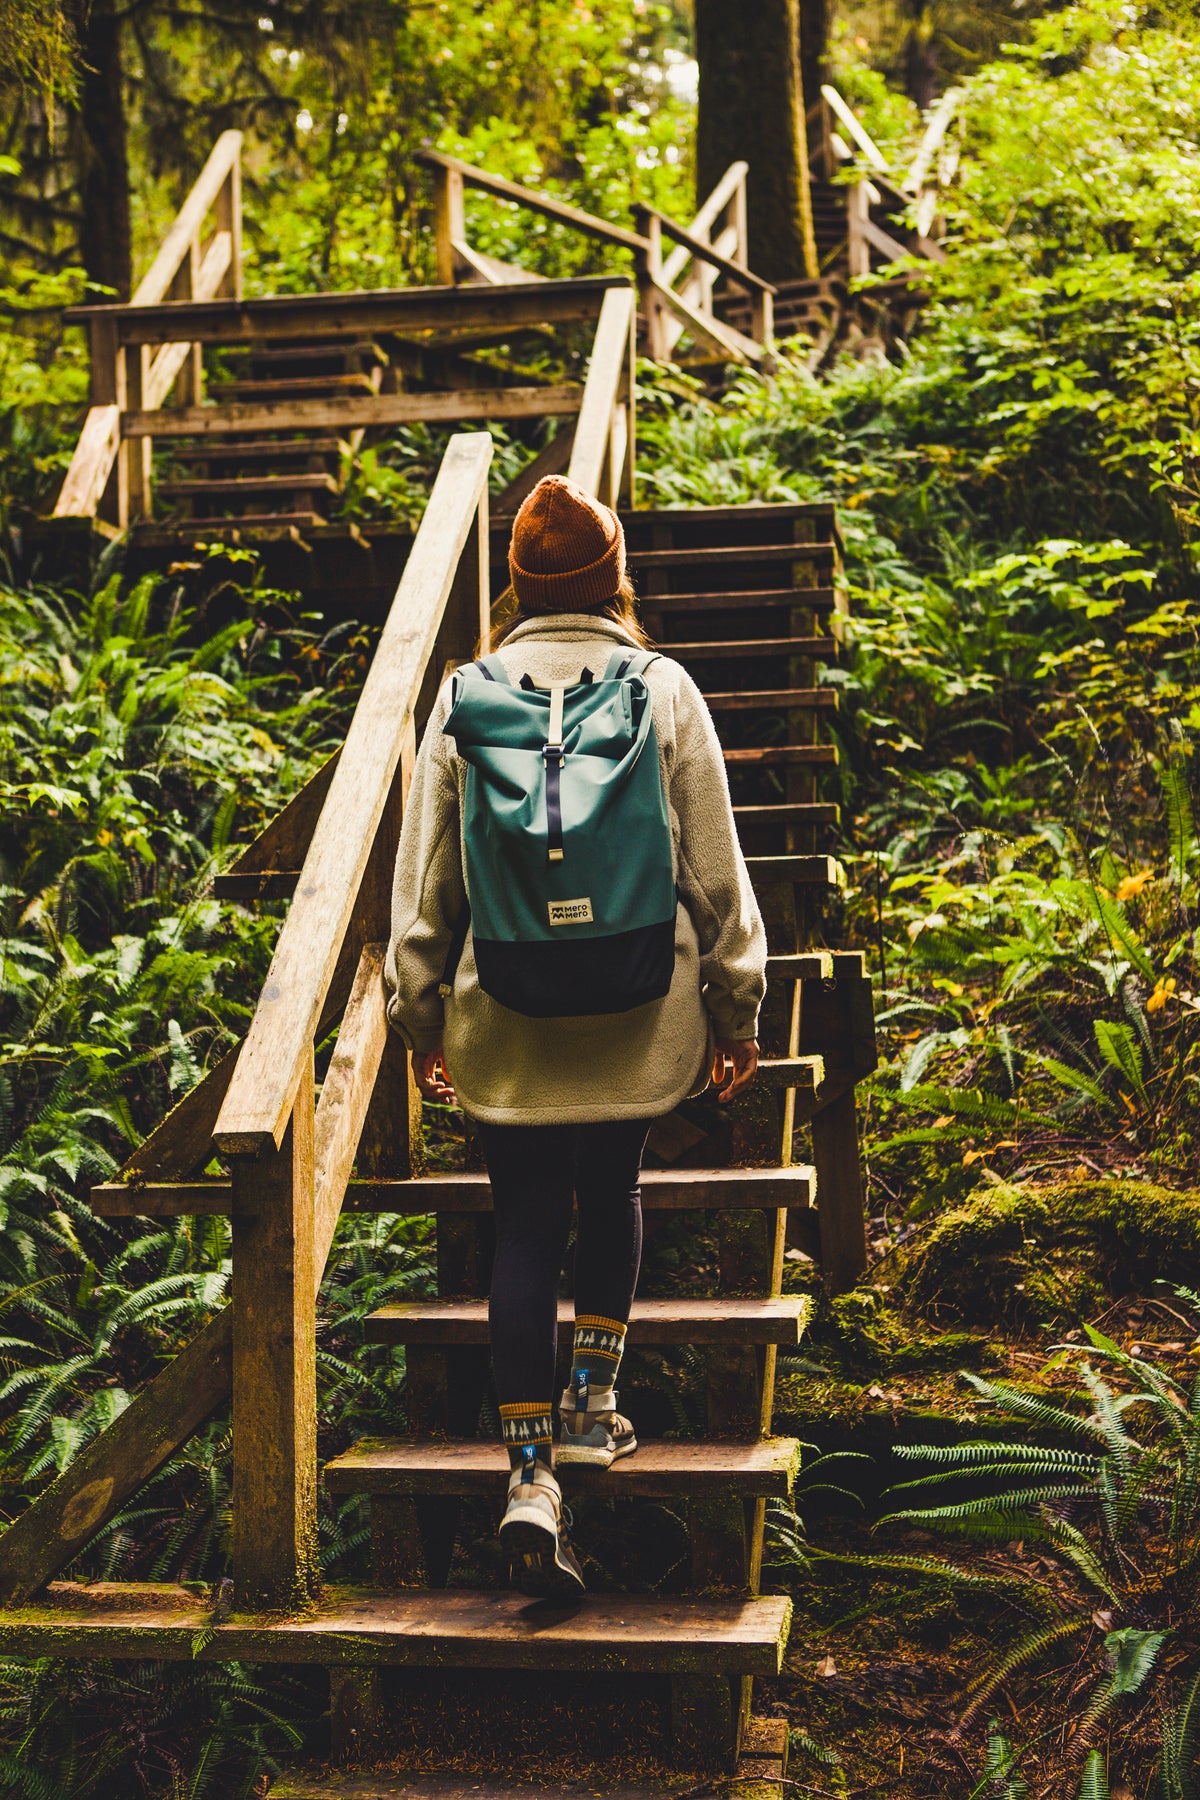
570 626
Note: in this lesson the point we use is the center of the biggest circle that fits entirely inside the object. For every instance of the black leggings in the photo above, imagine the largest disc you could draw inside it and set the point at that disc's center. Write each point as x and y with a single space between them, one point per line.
536 1171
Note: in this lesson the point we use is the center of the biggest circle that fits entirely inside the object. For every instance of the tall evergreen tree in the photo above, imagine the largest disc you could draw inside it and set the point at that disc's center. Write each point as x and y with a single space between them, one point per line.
751 108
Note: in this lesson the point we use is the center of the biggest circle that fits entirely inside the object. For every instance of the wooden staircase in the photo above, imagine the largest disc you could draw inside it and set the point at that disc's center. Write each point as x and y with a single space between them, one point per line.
441 1683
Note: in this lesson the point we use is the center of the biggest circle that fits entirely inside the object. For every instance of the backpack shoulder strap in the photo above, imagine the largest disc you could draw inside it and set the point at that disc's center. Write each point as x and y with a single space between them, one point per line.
490 667
629 662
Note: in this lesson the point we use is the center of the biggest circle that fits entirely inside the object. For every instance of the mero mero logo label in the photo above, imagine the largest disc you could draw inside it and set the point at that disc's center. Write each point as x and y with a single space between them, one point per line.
570 912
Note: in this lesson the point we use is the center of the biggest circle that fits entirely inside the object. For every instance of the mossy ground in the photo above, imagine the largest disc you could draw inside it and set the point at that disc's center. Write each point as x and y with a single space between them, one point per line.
879 1661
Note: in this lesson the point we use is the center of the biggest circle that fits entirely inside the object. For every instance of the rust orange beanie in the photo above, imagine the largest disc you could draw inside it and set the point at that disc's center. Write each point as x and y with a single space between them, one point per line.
567 551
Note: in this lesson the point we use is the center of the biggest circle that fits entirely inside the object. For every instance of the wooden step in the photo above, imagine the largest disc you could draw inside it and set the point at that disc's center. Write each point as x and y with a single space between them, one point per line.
809 871
786 812
656 1471
433 1784
805 965
257 449
804 1073
819 699
446 1628
279 387
768 756
813 599
826 648
730 553
687 1190
236 486
333 349
224 523
719 1321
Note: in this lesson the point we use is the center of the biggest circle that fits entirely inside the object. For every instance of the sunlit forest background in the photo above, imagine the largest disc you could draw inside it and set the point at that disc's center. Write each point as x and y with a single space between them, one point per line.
1018 482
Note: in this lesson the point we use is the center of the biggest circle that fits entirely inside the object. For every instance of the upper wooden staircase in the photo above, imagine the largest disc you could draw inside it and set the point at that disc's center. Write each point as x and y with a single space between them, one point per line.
441 1684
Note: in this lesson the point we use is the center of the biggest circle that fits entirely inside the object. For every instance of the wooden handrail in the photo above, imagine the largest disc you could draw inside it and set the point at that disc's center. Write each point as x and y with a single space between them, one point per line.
695 247
595 437
545 204
705 218
939 123
131 379
858 131
223 159
279 1044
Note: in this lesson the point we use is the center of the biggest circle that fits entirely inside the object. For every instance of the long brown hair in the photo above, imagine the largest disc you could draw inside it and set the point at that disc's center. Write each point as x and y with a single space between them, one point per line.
621 609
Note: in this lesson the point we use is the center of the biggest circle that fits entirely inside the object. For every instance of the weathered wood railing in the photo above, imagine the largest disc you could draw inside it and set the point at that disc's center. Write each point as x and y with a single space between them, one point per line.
109 475
669 313
290 1155
868 244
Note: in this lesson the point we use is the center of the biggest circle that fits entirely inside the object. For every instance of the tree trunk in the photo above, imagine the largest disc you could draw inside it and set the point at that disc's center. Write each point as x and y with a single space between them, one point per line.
816 24
750 109
102 155
920 56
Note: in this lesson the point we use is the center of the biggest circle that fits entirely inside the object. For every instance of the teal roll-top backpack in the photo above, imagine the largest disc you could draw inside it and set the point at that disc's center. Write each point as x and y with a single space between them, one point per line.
569 875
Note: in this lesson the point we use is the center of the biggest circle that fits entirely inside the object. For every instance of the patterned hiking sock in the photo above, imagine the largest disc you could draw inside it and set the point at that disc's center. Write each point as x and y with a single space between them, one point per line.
596 1356
525 1423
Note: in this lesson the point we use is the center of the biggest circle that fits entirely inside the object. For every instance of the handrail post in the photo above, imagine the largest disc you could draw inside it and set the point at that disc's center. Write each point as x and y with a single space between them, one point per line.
858 209
137 453
449 220
227 210
275 1562
648 263
108 365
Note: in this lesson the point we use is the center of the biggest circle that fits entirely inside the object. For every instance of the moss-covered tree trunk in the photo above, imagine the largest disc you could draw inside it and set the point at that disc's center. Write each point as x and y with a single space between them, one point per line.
751 109
102 154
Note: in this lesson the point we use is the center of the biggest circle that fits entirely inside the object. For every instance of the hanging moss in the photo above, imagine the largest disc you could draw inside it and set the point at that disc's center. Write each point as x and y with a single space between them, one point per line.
1043 1255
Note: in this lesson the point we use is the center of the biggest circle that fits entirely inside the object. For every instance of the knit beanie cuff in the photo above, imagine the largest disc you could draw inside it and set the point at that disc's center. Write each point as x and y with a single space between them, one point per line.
571 589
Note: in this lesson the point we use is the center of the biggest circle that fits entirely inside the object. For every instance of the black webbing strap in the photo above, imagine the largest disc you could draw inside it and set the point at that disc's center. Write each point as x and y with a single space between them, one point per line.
554 831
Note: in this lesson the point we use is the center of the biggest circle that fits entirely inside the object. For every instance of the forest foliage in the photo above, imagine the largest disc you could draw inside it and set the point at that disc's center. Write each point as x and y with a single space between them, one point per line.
1019 490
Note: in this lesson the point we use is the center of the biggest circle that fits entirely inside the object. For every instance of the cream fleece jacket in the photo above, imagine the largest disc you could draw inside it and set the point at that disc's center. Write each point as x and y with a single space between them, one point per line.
510 1070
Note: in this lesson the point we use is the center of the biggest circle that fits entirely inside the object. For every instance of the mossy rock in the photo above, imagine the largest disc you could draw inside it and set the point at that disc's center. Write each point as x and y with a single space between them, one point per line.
1043 1255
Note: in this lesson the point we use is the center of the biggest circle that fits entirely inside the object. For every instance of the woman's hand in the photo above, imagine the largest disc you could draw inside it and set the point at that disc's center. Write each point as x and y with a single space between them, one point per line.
433 1077
734 1062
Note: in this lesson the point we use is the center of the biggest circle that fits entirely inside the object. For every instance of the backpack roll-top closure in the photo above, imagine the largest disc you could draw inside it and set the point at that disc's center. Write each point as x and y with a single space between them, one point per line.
566 839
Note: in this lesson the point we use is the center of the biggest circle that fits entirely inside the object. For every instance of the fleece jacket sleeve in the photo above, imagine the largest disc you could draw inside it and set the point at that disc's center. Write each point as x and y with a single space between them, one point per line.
714 883
428 893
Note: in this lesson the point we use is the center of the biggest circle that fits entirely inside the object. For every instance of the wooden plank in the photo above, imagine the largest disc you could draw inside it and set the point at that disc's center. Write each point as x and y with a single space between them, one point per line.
172 358
156 282
334 413
781 755
818 599
658 1471
691 554
345 1095
701 249
809 965
721 1321
235 487
283 844
841 1215
91 463
454 1628
545 204
775 700
708 329
743 648
274 1557
110 1469
663 1190
803 1072
364 312
182 1142
282 1032
788 812
259 450
593 428
278 387
706 217
856 129
490 268
817 871
385 1784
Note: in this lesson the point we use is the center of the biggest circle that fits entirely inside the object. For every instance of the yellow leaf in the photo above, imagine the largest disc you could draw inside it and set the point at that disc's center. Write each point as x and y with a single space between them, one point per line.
1164 987
1133 884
